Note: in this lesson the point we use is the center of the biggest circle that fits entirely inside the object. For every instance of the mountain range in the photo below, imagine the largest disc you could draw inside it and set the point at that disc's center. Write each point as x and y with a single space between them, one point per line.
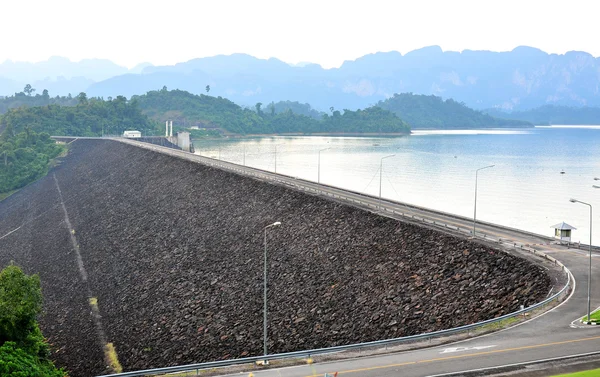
520 79
59 75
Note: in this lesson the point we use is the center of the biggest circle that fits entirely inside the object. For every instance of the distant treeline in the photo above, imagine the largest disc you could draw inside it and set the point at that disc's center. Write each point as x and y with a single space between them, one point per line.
296 108
88 117
28 99
432 112
550 114
190 110
26 148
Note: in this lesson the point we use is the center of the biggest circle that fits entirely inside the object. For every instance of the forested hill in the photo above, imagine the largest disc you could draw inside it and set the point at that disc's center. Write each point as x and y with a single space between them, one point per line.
296 107
189 110
26 98
550 114
89 117
432 112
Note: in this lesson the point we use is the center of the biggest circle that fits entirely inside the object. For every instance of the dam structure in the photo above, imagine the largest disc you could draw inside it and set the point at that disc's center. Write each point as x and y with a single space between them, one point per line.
171 245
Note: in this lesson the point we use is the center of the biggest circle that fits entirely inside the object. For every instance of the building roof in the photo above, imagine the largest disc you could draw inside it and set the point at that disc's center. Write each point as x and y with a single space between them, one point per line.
563 226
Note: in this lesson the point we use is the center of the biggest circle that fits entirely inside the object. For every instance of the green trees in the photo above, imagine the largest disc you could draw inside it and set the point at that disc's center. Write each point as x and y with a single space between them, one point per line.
28 90
23 350
24 157
16 362
296 107
215 113
20 303
88 117
27 99
202 111
553 114
422 111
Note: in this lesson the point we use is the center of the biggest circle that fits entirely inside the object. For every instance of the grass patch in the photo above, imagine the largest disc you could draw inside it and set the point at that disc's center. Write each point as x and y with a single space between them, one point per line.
595 316
4 195
111 357
500 324
93 302
587 373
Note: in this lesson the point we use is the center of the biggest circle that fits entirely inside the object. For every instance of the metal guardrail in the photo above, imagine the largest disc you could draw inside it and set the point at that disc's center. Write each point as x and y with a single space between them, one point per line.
357 346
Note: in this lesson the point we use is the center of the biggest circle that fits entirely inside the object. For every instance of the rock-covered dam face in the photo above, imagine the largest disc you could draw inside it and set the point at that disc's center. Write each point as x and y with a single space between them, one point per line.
173 251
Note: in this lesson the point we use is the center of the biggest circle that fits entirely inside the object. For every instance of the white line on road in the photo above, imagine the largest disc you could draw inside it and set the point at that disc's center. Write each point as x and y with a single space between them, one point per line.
463 349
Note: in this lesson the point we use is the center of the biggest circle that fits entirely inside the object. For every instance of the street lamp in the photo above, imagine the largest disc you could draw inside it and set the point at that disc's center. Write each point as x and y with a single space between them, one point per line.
319 166
590 269
381 175
277 223
475 207
275 159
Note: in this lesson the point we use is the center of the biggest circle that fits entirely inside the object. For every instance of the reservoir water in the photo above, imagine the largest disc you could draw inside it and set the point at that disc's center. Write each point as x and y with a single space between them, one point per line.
536 170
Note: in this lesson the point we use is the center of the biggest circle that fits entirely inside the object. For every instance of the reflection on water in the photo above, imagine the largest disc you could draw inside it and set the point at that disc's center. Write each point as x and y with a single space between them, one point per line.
432 169
470 132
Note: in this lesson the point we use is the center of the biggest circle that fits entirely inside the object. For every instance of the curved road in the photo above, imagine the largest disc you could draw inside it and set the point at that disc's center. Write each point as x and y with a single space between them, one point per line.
552 335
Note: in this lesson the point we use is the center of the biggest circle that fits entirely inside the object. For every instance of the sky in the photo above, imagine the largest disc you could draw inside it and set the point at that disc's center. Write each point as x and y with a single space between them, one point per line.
326 32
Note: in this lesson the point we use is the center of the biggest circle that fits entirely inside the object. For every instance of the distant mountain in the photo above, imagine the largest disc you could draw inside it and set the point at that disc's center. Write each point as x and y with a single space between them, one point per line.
59 75
421 111
519 79
140 67
8 86
553 115
55 67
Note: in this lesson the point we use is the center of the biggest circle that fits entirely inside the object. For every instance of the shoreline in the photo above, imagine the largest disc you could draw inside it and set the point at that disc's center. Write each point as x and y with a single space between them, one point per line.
354 134
357 134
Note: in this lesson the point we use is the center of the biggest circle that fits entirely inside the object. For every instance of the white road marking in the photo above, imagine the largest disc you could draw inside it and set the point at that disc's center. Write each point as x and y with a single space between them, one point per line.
463 349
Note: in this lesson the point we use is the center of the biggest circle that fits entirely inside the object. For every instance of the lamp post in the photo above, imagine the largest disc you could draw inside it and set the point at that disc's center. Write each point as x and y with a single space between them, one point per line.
475 206
381 175
590 268
244 154
277 223
275 159
319 166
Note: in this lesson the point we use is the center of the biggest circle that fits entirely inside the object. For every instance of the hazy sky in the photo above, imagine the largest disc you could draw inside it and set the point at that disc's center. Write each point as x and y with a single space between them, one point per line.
324 31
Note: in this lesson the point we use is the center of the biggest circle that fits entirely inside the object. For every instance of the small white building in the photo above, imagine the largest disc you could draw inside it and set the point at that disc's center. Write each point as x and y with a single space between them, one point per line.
562 231
132 134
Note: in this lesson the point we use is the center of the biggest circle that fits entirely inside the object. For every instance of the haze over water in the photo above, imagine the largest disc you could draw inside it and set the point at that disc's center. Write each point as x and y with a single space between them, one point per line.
436 169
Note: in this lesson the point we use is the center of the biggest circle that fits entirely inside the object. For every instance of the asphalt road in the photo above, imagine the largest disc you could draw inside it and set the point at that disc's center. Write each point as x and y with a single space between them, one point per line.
554 334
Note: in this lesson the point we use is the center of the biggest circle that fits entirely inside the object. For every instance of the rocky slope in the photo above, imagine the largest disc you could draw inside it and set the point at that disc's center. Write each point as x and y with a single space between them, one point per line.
173 251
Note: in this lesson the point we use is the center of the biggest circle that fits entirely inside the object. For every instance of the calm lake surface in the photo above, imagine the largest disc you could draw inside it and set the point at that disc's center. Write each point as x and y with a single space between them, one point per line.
436 169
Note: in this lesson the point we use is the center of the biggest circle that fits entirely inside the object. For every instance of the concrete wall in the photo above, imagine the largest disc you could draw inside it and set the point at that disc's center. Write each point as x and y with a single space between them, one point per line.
184 141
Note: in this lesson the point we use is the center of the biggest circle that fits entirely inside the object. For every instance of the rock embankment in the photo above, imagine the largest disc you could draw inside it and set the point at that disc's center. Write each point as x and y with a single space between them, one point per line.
174 253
